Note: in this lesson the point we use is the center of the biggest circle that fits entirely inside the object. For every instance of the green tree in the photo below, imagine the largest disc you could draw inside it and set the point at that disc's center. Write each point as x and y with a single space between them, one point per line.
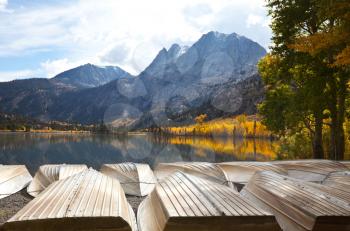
295 81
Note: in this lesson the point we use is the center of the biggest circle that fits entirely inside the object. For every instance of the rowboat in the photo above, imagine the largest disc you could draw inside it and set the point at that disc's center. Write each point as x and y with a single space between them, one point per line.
88 200
136 179
296 204
48 174
183 202
13 178
239 173
204 170
310 170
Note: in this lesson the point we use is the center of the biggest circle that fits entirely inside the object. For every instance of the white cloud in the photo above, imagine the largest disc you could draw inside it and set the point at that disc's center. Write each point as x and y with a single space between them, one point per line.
3 4
21 74
126 33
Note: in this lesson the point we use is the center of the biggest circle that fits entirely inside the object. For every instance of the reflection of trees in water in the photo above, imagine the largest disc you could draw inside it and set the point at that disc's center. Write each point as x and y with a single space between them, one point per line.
242 149
34 150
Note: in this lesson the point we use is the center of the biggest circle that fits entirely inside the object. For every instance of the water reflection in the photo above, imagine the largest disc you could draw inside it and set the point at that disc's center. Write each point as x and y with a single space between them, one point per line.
34 150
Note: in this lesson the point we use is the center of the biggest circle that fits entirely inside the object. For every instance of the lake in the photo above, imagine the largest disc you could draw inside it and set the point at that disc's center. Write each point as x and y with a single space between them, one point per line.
34 149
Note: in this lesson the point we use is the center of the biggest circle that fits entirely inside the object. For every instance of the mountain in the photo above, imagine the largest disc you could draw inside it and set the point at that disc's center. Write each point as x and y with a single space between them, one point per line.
88 75
217 75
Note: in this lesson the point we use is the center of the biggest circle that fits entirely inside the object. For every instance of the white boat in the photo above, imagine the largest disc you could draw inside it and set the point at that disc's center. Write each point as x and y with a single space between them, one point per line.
88 200
310 170
47 174
183 202
136 179
13 178
238 173
204 170
296 204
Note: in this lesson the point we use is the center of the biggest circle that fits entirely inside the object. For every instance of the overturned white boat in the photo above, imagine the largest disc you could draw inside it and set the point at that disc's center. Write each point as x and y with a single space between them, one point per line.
13 178
239 173
204 170
183 202
136 179
296 204
310 170
50 173
88 200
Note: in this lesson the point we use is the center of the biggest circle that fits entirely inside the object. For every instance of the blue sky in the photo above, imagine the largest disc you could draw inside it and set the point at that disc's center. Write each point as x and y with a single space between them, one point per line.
41 38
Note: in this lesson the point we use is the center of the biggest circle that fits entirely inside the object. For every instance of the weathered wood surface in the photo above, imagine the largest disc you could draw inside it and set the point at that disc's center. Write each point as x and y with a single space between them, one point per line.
310 170
13 178
183 202
208 171
338 180
136 179
346 163
86 201
239 173
48 174
296 204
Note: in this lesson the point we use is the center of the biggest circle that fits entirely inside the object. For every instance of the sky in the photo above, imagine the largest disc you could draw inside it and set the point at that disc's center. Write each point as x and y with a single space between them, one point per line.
41 38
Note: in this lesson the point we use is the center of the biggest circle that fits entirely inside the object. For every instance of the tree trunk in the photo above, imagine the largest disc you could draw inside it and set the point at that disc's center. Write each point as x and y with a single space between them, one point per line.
334 120
340 149
317 139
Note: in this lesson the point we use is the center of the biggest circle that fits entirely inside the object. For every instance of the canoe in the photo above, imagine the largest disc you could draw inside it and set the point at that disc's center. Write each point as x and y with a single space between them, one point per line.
50 173
310 170
240 172
88 200
13 178
208 171
183 202
297 206
136 179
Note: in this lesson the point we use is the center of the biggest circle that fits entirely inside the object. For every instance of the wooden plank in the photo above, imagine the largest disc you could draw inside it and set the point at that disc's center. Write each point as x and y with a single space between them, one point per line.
183 202
136 179
310 170
13 178
47 174
297 204
80 202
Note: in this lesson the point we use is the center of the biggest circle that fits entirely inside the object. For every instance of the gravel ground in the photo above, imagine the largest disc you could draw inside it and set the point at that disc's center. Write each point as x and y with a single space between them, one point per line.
10 205
134 201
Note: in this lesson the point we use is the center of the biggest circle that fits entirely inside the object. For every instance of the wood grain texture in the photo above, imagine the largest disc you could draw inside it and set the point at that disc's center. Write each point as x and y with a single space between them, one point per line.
239 173
208 171
13 178
136 179
88 200
310 170
296 204
48 174
183 202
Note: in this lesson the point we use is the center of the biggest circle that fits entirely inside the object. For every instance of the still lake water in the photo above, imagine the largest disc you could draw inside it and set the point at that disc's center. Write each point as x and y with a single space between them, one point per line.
34 150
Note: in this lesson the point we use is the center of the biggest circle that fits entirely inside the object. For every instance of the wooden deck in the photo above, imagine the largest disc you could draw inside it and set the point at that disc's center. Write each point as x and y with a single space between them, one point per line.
183 202
136 179
13 178
310 170
204 170
239 173
86 201
298 205
48 174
